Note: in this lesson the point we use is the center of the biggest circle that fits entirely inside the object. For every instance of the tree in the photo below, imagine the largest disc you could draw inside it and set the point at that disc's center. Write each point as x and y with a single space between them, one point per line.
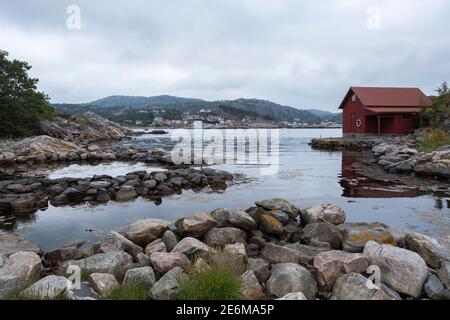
22 106
440 111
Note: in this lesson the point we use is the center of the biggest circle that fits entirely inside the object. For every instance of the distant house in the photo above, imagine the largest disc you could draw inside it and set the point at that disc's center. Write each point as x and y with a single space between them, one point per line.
368 110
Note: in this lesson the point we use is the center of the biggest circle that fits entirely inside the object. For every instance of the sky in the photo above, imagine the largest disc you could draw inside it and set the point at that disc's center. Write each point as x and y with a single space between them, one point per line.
304 54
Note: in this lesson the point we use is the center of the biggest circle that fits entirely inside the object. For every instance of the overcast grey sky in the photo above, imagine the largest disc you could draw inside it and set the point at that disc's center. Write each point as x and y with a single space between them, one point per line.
299 53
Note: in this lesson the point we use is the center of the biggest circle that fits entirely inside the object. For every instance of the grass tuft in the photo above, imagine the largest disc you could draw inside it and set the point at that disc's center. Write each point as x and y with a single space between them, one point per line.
219 280
433 140
133 291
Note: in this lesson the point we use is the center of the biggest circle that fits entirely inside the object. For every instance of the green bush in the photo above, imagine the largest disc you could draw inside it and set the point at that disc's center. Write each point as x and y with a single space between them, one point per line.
217 279
433 140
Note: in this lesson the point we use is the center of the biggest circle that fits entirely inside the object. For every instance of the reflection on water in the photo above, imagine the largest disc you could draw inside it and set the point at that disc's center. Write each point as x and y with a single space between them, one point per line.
305 177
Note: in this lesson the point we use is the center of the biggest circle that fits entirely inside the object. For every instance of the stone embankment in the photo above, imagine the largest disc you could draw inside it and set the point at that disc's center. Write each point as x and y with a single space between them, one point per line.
289 254
30 194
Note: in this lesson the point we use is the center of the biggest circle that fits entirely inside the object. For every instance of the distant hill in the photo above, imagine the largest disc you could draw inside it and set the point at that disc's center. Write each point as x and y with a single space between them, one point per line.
120 108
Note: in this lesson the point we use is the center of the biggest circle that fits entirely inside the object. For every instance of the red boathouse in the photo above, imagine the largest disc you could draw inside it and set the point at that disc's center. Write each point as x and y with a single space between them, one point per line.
369 110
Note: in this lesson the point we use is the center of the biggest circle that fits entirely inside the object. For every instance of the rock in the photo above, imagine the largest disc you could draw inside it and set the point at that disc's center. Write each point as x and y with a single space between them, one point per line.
323 231
221 216
170 240
144 276
84 292
279 254
100 184
103 283
354 286
260 267
114 241
167 287
252 250
331 265
113 262
251 289
126 193
356 235
155 246
444 273
18 188
196 226
290 277
242 220
191 247
281 216
279 204
150 184
59 200
270 225
293 296
428 248
142 232
56 257
73 195
236 254
163 262
26 204
323 213
48 288
223 236
12 243
434 288
24 265
306 253
143 260
402 270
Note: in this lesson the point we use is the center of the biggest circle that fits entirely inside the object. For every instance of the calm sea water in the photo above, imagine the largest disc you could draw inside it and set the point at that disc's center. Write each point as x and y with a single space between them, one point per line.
305 177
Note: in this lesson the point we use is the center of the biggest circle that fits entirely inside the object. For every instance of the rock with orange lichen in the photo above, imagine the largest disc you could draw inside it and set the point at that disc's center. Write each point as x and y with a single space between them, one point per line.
270 225
356 235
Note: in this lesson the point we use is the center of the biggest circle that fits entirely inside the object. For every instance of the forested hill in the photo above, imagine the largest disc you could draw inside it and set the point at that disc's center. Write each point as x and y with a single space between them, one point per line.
257 108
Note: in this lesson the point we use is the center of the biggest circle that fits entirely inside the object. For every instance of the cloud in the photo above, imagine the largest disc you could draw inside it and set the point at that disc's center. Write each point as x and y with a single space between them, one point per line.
299 53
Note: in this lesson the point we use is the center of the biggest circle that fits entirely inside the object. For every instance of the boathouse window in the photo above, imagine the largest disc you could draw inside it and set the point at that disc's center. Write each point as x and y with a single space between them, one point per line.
354 97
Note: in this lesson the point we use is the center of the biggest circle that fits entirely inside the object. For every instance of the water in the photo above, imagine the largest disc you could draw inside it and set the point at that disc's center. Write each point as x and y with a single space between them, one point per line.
305 177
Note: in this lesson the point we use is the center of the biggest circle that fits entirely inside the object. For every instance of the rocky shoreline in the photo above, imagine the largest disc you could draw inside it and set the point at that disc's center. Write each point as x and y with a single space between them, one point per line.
290 254
30 194
395 154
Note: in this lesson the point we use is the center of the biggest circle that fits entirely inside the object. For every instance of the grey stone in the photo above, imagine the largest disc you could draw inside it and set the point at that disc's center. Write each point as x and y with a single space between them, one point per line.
260 267
12 243
434 288
293 296
354 286
142 232
242 220
196 226
167 287
223 236
126 193
402 270
113 262
170 240
144 276
155 246
191 247
47 288
114 241
84 292
222 216
323 231
103 283
280 254
323 213
290 277
163 262
279 204
356 235
427 247
251 289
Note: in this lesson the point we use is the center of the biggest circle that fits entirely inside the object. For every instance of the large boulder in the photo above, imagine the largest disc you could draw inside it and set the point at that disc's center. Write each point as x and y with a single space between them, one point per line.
144 276
144 231
12 243
279 254
163 262
331 265
306 253
114 241
223 236
279 204
428 248
113 262
356 235
221 215
170 240
167 287
323 232
242 220
191 247
270 225
47 288
291 277
354 286
196 226
56 257
402 270
251 289
323 213
103 283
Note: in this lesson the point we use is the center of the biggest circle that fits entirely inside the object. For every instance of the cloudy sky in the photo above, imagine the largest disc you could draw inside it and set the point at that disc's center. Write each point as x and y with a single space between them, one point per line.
299 53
